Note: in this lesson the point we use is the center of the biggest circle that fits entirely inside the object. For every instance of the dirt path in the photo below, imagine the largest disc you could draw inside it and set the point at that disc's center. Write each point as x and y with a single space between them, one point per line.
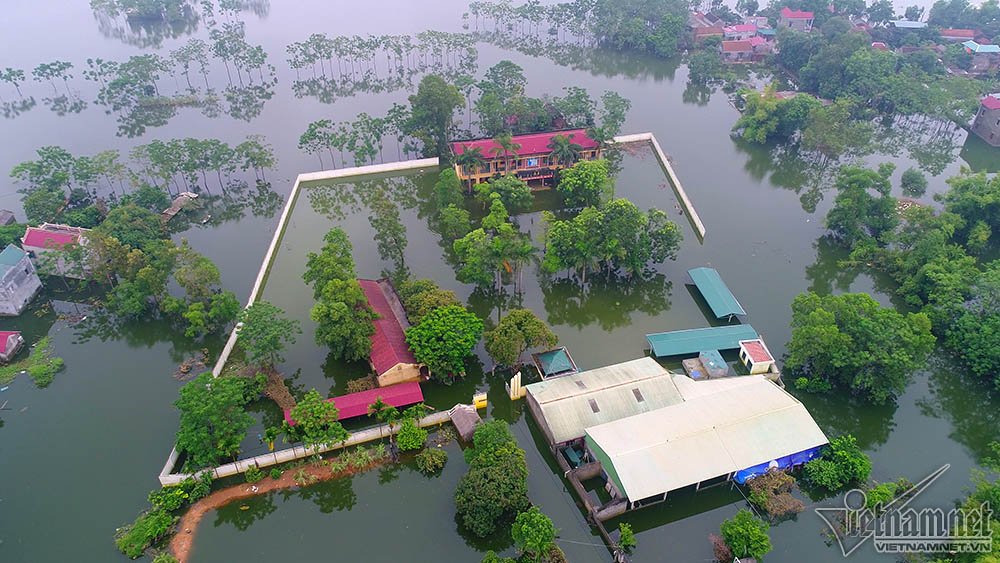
180 544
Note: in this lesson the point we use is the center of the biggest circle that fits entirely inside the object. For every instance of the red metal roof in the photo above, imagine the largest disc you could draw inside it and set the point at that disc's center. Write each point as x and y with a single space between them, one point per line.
756 41
4 337
991 102
790 14
963 33
706 31
532 144
756 351
742 28
41 238
356 404
740 46
388 342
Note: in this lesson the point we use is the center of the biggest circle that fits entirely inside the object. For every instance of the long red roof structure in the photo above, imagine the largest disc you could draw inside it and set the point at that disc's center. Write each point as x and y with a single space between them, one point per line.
740 46
42 238
790 14
531 144
356 404
963 33
388 342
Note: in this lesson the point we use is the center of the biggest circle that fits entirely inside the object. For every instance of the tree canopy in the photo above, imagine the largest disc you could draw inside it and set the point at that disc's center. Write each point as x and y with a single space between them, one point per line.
213 419
585 183
517 331
495 488
746 535
533 532
443 339
432 111
316 422
850 341
265 332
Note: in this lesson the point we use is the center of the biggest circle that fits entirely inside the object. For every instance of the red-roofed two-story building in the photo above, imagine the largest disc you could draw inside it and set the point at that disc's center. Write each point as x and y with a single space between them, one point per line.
391 358
799 20
57 249
987 123
531 159
957 35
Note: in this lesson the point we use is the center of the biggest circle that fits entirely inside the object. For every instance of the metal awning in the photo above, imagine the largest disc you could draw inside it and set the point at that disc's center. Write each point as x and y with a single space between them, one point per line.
715 291
692 341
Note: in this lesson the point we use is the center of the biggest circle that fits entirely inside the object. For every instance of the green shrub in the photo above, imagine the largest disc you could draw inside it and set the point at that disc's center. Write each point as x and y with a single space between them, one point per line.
253 474
841 464
746 535
411 437
164 558
880 495
275 473
496 488
626 537
431 460
150 526
168 498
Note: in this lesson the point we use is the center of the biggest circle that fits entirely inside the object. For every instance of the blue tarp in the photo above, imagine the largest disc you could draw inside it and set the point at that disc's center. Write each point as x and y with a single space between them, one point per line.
781 463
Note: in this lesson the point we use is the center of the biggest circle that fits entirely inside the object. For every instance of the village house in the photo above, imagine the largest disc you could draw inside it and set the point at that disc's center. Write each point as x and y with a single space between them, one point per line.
532 160
739 31
957 35
737 51
391 358
985 57
987 122
10 343
18 281
703 26
7 217
48 241
756 357
797 20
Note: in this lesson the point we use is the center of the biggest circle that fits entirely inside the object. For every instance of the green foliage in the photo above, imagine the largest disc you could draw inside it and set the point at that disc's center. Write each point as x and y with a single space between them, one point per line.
519 330
411 437
132 225
134 539
333 262
746 535
858 216
615 237
265 332
852 342
11 234
654 26
626 537
533 532
448 189
40 364
485 253
772 493
833 131
765 117
316 421
492 557
841 464
513 191
585 183
976 199
913 182
164 557
975 333
275 473
43 204
253 474
431 460
432 111
495 488
344 320
880 495
454 222
443 339
213 421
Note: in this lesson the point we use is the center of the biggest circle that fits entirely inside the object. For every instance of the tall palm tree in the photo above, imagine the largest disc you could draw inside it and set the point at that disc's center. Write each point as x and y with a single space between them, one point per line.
471 159
564 150
506 146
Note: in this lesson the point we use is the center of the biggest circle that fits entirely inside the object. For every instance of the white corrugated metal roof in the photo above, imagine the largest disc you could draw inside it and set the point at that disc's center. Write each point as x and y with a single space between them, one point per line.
572 403
722 426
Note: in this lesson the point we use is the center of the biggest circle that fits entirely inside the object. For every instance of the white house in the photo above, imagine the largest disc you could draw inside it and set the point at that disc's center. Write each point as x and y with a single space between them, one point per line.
755 356
18 281
52 238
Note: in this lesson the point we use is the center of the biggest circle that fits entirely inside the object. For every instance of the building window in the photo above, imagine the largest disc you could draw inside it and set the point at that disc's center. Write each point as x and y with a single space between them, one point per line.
638 395
593 406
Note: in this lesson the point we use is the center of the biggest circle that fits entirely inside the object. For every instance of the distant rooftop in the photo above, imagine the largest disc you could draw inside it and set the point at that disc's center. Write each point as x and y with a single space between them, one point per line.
790 14
9 258
740 46
531 144
907 24
966 33
979 48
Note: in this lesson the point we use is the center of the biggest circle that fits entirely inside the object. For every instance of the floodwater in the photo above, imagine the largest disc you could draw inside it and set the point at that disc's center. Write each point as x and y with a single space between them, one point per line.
78 458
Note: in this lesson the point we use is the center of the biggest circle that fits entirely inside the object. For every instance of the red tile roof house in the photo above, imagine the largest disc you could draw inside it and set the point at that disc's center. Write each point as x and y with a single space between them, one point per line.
798 20
49 237
10 343
740 31
957 35
391 358
737 51
354 405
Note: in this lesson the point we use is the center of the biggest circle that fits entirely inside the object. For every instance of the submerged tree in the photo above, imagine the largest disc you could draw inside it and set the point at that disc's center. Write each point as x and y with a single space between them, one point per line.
516 332
264 332
213 420
432 111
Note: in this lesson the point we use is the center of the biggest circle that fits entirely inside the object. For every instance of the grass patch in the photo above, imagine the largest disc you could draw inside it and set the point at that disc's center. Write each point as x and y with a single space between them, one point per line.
40 364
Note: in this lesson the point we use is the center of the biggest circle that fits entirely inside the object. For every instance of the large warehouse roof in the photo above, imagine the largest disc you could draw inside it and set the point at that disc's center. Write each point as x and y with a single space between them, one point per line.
571 403
721 427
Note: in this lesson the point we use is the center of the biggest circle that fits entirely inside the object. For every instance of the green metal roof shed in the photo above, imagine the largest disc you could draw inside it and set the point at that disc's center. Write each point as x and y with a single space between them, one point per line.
692 341
715 291
554 363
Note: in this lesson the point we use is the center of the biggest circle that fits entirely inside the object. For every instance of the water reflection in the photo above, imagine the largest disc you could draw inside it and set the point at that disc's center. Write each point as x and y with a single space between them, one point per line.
63 104
16 108
971 406
606 300
146 33
243 513
336 494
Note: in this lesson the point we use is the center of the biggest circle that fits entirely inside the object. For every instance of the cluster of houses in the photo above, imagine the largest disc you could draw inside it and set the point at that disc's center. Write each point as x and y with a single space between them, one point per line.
19 281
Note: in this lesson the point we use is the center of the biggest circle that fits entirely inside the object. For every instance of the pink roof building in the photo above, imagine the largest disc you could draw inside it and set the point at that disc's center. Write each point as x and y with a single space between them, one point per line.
391 358
51 237
533 144
799 20
354 405
790 14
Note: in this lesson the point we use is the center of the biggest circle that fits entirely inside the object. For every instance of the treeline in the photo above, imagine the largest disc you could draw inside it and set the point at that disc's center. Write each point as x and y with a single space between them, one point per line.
356 54
942 260
654 26
59 186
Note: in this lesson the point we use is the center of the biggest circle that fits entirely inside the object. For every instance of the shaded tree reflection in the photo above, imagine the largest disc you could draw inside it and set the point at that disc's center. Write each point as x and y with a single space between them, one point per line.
242 518
336 494
16 108
606 300
971 406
